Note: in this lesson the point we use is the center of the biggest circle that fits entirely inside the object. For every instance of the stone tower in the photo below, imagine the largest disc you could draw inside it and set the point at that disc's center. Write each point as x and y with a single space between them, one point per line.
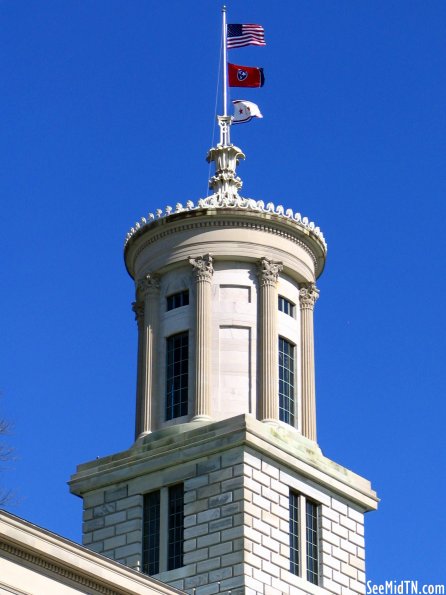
225 489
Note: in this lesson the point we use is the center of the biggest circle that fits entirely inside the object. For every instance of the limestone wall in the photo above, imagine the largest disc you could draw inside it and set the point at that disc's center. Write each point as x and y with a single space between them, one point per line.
236 535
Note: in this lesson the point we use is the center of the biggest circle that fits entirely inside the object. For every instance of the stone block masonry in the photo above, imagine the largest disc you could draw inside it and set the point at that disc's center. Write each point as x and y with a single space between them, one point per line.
115 525
236 529
236 512
213 523
266 520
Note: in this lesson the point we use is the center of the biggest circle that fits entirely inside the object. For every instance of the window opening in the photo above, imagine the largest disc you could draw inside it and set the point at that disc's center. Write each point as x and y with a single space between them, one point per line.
286 381
151 533
177 300
286 306
177 375
176 527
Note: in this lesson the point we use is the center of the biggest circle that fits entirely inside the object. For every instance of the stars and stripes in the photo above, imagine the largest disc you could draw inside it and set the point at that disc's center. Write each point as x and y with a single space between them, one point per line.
241 35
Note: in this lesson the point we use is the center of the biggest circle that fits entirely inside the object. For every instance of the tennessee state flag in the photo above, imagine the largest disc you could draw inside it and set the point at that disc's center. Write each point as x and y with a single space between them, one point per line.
245 76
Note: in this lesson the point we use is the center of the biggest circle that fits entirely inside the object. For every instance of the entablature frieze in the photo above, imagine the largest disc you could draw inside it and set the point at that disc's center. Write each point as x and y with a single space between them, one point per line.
315 255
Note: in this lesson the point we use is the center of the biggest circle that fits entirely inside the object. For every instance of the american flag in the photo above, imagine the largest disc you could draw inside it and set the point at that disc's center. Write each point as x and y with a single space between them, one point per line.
241 35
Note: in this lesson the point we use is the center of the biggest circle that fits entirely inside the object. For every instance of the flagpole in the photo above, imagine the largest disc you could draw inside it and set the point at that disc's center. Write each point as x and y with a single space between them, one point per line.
224 121
225 64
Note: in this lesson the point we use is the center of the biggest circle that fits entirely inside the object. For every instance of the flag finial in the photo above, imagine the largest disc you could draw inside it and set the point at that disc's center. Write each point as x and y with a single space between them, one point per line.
225 183
225 127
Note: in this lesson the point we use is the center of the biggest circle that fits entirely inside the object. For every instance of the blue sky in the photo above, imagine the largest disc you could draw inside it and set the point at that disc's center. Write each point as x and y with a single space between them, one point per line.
107 112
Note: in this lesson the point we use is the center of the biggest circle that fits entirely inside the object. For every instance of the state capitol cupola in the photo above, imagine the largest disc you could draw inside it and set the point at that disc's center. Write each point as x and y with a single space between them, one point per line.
224 488
225 291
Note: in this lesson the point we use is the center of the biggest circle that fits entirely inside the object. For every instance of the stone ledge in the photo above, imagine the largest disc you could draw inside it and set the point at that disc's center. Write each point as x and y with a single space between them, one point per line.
193 441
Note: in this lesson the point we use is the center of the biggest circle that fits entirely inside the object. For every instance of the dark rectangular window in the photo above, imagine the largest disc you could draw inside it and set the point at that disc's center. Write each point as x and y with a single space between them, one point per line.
176 300
286 306
176 527
312 543
294 533
151 533
304 545
286 381
177 375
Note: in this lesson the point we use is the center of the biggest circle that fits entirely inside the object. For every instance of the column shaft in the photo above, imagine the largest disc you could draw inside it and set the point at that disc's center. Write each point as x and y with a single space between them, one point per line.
268 274
308 295
203 305
148 294
138 309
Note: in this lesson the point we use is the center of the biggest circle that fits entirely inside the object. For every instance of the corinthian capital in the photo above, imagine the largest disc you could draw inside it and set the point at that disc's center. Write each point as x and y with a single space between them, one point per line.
138 309
268 271
308 294
203 268
148 284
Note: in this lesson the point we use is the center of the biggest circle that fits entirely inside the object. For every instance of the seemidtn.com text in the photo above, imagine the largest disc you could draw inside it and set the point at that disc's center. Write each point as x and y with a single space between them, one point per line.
407 587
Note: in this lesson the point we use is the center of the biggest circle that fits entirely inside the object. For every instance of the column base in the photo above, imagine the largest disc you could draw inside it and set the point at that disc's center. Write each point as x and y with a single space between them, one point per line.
143 435
201 418
270 421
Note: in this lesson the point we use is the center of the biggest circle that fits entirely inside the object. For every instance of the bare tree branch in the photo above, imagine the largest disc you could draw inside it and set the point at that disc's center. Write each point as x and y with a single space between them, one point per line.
6 455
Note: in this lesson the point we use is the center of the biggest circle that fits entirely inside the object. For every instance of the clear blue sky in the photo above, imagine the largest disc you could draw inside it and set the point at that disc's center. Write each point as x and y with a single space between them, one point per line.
107 111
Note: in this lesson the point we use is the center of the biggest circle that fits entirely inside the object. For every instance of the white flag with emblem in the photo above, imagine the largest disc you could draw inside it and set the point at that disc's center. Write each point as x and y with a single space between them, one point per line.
244 111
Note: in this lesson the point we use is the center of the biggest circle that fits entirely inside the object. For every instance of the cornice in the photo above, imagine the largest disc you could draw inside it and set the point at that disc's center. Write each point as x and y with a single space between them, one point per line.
232 219
165 448
64 562
216 201
54 568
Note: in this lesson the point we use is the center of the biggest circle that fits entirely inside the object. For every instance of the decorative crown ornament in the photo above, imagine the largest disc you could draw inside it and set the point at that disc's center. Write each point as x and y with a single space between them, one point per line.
203 267
225 185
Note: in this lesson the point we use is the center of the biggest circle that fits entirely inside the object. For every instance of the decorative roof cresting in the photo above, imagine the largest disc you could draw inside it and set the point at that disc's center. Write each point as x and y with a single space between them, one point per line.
226 185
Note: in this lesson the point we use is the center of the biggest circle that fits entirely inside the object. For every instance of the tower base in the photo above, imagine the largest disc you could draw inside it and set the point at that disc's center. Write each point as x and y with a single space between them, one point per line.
239 477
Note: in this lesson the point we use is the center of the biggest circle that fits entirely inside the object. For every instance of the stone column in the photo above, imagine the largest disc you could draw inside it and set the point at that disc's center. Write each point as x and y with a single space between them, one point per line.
203 271
146 310
138 309
308 294
268 274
